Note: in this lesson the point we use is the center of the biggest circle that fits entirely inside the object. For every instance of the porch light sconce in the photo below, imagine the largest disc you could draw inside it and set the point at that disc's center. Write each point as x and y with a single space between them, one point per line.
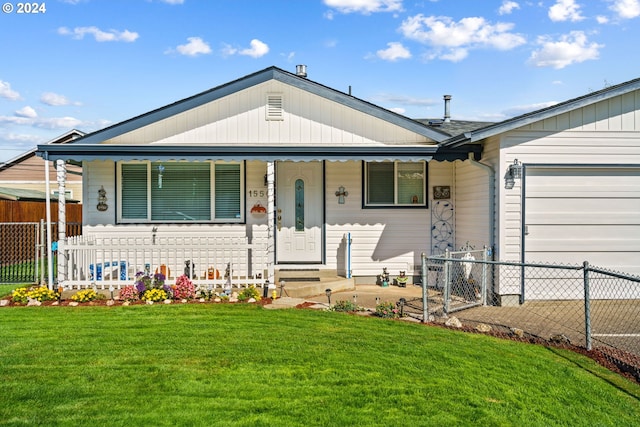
328 293
514 172
341 194
102 200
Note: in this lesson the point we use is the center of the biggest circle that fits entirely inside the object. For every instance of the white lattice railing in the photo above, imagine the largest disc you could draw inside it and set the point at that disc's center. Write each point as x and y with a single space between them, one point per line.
211 262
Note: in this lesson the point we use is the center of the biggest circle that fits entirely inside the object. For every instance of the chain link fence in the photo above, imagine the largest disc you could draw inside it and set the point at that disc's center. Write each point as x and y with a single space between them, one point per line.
578 305
23 254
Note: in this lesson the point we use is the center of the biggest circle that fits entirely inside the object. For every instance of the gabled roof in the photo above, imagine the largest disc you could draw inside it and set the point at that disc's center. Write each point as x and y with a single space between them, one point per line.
542 114
62 139
270 73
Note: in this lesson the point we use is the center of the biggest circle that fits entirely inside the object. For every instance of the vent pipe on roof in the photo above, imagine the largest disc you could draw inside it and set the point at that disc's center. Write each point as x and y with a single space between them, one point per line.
301 70
447 108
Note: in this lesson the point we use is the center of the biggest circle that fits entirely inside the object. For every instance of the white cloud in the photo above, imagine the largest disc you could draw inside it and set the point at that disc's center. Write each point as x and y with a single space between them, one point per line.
524 109
7 92
195 46
565 10
569 49
507 7
54 99
405 100
27 112
42 123
365 7
256 50
602 19
453 40
173 1
394 52
626 9
23 137
99 35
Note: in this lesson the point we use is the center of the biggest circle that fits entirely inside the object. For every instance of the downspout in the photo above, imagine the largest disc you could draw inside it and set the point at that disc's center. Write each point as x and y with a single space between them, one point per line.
492 202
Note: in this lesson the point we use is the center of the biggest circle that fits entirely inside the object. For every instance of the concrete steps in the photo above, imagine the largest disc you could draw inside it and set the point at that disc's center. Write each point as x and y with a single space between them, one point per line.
307 282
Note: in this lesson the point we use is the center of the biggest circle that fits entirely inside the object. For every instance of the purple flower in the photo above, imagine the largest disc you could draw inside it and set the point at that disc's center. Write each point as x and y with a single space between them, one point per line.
140 286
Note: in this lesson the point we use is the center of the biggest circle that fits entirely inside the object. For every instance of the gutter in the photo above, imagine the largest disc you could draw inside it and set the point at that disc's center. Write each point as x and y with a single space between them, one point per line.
492 202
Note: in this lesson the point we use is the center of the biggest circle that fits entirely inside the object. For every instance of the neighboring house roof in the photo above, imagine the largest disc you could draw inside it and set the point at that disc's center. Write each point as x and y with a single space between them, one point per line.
27 195
542 114
62 139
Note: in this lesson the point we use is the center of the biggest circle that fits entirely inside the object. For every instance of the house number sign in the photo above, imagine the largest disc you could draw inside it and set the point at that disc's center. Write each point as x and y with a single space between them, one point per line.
257 193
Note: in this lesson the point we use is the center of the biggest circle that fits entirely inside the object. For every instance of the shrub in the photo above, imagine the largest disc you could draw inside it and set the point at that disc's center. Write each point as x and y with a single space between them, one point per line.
84 295
345 306
154 295
387 310
184 288
40 293
248 293
129 293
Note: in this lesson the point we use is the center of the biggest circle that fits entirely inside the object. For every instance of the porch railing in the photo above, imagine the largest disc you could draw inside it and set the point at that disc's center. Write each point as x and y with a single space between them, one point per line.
211 262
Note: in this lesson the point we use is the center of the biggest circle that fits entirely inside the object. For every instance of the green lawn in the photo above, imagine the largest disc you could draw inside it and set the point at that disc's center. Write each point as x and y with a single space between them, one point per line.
7 289
242 365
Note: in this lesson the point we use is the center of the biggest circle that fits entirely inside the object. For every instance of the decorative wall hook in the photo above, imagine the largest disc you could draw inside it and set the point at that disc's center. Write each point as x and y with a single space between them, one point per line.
341 194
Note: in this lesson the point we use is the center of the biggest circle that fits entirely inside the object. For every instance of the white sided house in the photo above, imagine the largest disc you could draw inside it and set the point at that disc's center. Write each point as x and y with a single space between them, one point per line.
269 173
274 173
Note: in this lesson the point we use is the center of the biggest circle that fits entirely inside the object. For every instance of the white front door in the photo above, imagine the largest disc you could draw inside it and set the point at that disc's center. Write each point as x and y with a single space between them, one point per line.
299 212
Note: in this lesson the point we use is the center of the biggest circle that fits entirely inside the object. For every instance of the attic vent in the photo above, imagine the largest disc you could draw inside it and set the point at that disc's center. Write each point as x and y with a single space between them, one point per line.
275 110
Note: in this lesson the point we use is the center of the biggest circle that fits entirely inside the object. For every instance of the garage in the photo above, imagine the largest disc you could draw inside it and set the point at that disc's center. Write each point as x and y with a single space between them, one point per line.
583 213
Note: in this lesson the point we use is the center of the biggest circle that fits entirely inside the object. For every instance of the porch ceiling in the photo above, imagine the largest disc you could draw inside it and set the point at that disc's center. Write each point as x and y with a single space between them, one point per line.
77 153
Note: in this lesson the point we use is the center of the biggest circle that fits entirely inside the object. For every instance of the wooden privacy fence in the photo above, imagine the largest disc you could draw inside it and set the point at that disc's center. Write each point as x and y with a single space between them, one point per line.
211 262
21 211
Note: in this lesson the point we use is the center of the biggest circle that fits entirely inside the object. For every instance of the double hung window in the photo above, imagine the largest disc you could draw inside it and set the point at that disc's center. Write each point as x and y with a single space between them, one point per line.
395 184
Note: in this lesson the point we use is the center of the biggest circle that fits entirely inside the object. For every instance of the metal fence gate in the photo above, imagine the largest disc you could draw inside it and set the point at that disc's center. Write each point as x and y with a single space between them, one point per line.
23 250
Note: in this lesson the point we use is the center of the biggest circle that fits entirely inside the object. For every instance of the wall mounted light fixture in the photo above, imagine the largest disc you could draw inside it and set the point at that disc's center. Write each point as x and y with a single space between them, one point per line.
514 172
341 194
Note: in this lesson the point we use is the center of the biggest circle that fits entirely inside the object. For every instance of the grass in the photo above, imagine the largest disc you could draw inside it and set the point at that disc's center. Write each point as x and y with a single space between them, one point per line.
7 289
242 365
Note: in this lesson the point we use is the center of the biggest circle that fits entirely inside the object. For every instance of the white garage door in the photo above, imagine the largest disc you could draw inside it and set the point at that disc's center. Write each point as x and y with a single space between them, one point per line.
576 214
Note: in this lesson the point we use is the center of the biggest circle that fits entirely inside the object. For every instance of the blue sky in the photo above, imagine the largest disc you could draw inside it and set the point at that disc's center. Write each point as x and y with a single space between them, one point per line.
86 64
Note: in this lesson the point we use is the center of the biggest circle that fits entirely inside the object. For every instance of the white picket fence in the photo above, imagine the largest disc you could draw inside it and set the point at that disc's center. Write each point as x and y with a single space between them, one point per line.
211 262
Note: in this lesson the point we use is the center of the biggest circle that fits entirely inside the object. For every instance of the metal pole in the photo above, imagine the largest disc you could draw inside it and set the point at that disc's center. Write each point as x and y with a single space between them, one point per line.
423 273
587 306
485 254
447 282
49 243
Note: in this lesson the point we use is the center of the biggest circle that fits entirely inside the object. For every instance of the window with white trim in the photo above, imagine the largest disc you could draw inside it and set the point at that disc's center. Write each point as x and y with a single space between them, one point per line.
180 192
395 183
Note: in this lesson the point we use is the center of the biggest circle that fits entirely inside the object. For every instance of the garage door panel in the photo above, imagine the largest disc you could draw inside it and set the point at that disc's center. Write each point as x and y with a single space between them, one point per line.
584 214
